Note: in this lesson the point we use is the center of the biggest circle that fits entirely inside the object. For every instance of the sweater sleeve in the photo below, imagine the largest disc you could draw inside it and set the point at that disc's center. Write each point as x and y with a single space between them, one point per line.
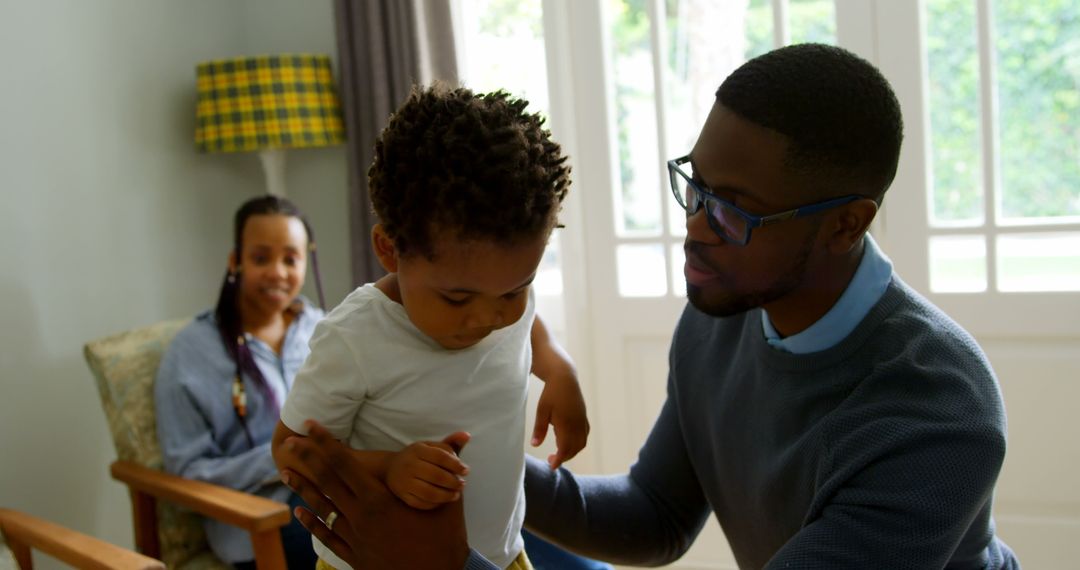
907 488
650 516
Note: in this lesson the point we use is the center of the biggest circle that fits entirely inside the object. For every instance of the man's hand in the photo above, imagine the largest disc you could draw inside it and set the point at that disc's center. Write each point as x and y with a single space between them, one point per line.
426 474
372 528
375 462
562 406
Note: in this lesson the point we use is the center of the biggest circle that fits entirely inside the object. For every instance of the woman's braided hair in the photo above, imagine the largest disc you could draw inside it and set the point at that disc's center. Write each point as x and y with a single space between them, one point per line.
227 311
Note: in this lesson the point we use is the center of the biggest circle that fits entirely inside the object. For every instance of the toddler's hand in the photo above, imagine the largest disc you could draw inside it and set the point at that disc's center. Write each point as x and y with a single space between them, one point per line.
426 474
562 406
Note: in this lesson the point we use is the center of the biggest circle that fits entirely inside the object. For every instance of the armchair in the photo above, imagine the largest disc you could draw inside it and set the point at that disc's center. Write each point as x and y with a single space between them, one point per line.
165 507
21 532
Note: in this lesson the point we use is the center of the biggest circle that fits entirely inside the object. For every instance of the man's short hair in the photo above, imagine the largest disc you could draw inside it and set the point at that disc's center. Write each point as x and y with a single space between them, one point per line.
838 112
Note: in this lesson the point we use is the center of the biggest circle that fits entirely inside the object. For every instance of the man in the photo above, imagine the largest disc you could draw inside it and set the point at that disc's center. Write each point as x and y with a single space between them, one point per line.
823 411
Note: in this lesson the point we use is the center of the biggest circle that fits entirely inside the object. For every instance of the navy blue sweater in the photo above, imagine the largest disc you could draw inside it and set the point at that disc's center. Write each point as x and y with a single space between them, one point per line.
880 452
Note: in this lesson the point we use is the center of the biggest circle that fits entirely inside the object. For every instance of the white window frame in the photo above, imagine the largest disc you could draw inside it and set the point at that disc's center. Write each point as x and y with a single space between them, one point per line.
891 34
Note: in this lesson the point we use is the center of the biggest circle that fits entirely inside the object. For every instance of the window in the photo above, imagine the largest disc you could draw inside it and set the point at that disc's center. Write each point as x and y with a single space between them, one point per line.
1004 209
502 47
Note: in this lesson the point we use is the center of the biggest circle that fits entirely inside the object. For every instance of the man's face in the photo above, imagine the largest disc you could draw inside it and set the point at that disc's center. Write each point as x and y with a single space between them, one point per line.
744 163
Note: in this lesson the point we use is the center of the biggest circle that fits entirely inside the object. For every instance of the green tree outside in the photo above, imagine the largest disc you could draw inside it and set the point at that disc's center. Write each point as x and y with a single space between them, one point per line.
1037 47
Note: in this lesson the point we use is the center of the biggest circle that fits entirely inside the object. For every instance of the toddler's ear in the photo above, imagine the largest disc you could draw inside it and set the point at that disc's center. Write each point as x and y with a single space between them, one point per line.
384 248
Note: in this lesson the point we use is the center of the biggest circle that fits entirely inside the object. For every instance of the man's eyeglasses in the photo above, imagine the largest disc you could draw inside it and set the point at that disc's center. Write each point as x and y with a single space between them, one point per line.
725 218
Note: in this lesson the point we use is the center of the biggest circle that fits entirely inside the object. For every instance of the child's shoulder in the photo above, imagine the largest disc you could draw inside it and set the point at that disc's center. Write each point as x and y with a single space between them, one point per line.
363 303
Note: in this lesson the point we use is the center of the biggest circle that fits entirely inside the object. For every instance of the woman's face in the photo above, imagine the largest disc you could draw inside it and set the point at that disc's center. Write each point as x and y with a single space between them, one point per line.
272 263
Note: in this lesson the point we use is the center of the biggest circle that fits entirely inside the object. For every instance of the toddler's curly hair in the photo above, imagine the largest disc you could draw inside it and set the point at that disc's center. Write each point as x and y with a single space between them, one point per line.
474 165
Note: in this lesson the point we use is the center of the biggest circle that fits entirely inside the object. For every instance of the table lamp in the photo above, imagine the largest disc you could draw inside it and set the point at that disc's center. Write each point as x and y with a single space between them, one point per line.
267 103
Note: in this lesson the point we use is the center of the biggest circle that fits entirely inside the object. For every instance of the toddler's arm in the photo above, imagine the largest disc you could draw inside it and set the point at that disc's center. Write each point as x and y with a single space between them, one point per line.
561 403
374 461
424 475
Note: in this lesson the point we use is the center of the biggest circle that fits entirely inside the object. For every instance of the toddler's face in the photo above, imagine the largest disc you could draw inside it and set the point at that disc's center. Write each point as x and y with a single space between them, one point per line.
471 289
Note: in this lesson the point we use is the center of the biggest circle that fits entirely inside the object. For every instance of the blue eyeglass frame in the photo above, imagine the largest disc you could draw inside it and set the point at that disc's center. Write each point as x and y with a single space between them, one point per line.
751 220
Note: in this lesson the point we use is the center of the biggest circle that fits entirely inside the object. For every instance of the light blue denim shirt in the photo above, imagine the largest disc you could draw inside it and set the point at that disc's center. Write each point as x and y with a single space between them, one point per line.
866 288
197 426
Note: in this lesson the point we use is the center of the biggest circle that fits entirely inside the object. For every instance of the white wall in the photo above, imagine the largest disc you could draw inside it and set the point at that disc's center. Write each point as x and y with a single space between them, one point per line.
317 178
109 219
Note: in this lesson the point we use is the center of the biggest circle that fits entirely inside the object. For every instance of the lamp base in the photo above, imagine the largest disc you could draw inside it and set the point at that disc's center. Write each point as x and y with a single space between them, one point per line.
273 162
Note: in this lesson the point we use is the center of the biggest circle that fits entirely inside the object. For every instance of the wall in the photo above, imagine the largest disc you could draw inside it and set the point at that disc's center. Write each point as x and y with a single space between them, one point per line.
317 178
111 220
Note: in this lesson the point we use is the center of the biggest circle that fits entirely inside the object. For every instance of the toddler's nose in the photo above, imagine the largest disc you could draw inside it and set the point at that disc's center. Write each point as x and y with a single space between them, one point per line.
485 320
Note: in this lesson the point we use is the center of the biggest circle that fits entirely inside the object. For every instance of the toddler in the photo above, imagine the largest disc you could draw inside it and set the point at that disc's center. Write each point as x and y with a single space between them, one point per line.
467 189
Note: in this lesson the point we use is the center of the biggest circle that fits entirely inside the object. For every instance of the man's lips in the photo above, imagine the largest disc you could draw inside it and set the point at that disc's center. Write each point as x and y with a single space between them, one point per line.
696 272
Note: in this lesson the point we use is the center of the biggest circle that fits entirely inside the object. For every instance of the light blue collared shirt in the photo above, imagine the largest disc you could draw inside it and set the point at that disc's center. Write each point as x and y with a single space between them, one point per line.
866 288
197 426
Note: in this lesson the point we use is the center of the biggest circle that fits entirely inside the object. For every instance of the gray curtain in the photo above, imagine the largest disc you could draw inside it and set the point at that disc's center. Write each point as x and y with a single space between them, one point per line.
384 47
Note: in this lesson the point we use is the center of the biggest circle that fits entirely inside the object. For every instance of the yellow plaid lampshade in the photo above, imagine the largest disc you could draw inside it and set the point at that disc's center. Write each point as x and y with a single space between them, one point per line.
267 102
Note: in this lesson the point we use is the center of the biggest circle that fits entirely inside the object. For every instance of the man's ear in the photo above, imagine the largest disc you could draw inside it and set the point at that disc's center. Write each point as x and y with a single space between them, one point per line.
384 248
848 225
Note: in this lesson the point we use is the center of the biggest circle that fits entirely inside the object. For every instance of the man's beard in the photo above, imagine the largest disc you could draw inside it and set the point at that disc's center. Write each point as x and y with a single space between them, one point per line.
733 303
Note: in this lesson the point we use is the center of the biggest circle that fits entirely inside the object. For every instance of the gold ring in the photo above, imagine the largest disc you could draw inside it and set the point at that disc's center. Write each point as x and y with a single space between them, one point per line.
329 522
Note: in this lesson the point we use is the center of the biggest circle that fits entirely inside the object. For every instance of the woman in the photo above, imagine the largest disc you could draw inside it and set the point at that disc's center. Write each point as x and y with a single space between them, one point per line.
223 379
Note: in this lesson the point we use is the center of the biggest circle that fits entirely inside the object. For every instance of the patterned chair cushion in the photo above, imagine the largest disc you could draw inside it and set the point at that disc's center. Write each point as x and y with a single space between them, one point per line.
124 366
7 558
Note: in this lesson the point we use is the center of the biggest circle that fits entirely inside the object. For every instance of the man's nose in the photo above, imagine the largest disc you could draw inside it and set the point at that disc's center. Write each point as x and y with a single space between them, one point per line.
698 228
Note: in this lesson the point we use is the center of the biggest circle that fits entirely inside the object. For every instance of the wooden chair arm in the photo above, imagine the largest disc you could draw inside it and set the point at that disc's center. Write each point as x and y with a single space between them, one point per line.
249 512
23 532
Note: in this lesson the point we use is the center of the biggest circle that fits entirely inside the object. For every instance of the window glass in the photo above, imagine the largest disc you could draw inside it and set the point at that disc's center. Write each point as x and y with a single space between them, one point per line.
812 21
958 264
706 41
1038 76
1039 262
759 28
953 66
636 200
503 48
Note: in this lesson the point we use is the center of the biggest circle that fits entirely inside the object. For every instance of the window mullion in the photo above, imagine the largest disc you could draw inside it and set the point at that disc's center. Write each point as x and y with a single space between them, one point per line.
781 31
989 131
658 39
994 231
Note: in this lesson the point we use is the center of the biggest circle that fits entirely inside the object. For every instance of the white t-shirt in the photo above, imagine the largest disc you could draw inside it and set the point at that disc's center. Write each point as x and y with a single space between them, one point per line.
376 382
